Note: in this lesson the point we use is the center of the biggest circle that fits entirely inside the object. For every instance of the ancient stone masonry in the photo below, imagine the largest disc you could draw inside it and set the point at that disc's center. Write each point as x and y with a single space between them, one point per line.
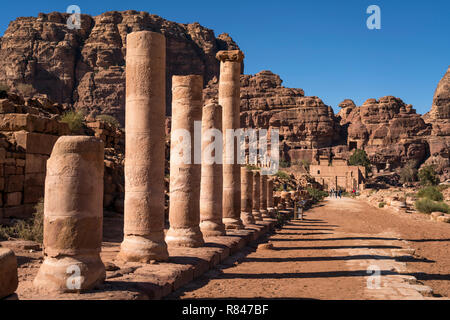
185 170
229 99
86 67
263 197
256 195
73 216
27 136
337 174
246 196
309 127
211 181
145 143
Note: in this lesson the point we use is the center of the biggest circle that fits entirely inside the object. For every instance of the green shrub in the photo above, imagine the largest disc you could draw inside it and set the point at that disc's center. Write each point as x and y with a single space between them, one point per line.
428 206
381 204
431 193
316 194
360 158
283 175
427 176
252 167
443 187
108 119
31 229
75 120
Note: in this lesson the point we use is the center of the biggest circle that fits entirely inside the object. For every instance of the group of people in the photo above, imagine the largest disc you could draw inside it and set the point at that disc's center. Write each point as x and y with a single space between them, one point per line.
335 193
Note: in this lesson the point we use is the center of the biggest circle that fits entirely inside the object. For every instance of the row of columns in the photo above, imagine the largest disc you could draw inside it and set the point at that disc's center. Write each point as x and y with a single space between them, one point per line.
205 198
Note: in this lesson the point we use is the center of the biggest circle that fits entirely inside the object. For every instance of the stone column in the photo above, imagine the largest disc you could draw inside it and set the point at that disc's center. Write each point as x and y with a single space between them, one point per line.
8 272
73 216
263 197
145 110
246 196
256 195
229 99
185 173
270 205
211 188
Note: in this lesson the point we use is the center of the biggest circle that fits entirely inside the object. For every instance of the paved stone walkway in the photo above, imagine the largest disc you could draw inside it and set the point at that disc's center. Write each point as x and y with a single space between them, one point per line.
325 256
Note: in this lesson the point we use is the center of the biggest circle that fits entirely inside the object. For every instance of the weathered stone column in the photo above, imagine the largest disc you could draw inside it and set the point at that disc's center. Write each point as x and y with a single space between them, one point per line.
229 99
270 205
8 273
145 110
256 195
246 196
184 209
263 197
211 188
73 216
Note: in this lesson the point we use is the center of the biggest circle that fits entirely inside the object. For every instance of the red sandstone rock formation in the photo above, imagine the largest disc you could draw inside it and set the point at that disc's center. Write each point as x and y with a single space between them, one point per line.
85 67
439 118
389 130
304 122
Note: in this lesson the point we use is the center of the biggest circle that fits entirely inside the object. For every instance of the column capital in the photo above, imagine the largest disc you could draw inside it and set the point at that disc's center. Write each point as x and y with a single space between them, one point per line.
230 55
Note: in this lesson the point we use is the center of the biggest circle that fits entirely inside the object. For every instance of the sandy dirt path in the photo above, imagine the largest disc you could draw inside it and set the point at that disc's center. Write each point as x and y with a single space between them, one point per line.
336 253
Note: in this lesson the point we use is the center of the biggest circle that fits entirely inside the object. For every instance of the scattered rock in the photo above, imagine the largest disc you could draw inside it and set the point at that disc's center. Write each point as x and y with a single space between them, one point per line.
265 246
445 219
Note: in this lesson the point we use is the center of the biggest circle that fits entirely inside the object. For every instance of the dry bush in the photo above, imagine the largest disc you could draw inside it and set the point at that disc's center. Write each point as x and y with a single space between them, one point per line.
31 229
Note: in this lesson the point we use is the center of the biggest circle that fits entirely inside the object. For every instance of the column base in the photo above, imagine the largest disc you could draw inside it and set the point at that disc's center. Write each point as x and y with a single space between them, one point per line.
212 229
185 237
141 249
247 218
70 274
257 215
233 224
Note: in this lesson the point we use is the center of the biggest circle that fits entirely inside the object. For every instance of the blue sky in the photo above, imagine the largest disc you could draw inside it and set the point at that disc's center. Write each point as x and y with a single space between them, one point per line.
322 46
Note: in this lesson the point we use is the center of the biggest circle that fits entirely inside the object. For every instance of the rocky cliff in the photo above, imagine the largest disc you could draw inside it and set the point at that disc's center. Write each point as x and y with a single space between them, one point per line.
85 68
305 123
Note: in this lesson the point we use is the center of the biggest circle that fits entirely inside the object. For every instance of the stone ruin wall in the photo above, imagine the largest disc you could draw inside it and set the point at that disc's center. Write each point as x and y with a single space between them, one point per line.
28 131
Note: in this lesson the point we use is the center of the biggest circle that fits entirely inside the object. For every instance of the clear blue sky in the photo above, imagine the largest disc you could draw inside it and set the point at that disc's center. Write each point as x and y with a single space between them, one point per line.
322 46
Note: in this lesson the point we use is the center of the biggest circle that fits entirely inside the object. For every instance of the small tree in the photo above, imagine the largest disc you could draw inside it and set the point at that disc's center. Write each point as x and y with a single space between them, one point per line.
409 172
360 158
427 176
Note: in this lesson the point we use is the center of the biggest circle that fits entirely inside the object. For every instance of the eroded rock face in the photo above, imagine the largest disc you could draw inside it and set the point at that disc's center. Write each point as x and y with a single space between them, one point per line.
389 130
86 67
439 118
304 122
441 100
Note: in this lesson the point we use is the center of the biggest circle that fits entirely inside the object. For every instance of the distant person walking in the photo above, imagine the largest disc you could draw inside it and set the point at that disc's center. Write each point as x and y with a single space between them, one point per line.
340 194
